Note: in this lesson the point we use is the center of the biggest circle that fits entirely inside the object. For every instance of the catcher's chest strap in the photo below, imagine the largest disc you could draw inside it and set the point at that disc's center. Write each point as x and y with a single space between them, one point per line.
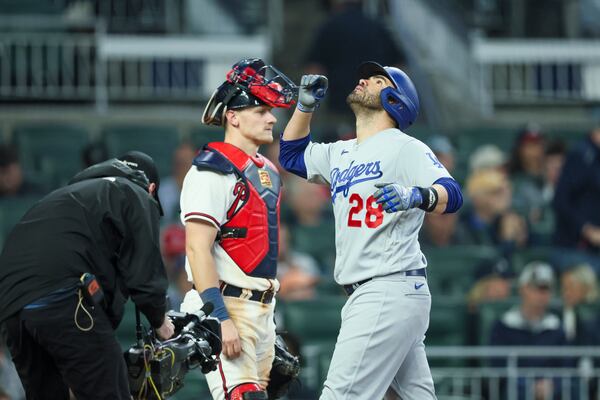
228 232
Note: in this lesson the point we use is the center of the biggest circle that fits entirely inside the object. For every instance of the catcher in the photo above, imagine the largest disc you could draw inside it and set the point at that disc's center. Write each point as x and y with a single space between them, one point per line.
230 209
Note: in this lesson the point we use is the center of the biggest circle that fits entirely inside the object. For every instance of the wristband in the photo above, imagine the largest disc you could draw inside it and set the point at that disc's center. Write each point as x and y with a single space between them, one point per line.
430 198
214 296
306 109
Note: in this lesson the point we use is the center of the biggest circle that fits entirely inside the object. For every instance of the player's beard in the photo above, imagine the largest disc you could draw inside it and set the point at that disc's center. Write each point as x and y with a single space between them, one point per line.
361 101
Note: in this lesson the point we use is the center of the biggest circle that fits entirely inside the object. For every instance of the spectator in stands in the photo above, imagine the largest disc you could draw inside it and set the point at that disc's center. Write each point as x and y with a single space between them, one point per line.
576 203
578 287
487 156
170 188
490 219
541 218
526 170
12 179
348 37
298 273
556 151
441 230
443 150
312 228
493 283
94 153
531 324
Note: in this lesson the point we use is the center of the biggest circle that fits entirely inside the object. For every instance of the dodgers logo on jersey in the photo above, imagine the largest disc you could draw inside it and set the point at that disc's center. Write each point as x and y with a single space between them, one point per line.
342 180
435 161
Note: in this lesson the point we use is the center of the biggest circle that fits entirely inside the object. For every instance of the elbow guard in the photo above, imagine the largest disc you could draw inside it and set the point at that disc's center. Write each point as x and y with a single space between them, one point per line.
291 155
455 197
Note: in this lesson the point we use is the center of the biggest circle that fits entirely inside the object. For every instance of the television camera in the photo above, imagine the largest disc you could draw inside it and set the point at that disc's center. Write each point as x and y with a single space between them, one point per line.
156 369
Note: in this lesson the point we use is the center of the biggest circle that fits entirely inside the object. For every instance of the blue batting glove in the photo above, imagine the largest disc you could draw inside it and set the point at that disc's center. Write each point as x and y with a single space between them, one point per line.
394 197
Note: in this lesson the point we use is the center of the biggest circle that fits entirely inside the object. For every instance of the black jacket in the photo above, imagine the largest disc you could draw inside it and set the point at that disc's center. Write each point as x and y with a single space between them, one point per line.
577 196
103 222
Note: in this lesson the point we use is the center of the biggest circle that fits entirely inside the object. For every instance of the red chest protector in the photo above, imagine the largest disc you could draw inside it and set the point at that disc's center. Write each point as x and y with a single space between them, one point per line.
250 236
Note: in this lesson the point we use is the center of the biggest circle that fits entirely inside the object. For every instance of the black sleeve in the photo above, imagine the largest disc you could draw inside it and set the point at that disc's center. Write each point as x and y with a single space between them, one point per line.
140 263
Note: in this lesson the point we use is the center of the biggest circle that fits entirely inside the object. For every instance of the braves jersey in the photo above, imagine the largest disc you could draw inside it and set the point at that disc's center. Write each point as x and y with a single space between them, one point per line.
210 196
369 241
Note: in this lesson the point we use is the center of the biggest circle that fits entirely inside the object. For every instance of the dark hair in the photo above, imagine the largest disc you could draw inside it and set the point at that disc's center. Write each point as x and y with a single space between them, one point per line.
556 147
8 155
529 132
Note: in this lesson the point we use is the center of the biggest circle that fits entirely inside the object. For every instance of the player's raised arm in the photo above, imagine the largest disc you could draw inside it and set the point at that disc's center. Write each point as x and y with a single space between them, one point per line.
296 136
312 91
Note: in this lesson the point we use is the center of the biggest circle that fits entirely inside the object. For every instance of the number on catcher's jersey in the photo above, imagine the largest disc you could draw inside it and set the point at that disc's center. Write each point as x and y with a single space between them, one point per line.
373 215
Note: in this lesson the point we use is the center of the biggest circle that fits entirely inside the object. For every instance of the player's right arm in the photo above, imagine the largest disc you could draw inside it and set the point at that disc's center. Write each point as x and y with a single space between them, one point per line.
311 92
203 212
199 239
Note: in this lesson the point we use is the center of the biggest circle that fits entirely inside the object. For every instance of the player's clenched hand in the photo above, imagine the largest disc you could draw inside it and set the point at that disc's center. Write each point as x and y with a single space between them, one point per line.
232 347
394 197
311 92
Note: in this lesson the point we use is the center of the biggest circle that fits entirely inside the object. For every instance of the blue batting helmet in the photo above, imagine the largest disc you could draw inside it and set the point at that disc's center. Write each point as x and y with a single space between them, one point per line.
401 101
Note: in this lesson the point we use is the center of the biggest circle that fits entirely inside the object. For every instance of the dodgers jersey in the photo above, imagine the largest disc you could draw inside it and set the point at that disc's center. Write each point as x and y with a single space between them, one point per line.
369 241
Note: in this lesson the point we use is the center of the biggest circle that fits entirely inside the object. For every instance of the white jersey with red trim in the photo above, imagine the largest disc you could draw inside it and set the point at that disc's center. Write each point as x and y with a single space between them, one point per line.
207 195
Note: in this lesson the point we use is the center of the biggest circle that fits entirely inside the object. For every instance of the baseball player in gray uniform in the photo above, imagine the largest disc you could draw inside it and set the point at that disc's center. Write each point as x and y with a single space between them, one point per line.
382 184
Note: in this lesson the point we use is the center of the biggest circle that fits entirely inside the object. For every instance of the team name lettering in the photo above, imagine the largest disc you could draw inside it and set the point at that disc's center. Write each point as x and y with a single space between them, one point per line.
342 180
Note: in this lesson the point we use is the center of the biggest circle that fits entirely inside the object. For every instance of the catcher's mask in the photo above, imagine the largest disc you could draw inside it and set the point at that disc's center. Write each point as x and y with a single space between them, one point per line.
249 83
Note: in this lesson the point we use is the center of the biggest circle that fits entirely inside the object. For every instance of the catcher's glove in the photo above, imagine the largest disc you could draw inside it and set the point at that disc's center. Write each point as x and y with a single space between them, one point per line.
284 370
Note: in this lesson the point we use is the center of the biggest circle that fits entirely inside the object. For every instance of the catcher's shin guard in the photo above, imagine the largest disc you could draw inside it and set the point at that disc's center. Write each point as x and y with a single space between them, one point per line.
247 391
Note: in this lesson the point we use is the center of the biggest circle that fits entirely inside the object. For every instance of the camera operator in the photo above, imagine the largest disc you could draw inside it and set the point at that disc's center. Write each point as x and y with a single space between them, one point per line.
66 271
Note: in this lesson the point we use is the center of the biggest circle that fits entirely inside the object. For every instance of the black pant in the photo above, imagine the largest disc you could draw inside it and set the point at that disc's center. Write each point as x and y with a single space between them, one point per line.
52 355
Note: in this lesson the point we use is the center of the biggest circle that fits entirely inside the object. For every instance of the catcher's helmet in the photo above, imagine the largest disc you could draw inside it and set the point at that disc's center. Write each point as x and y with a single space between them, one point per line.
401 101
249 83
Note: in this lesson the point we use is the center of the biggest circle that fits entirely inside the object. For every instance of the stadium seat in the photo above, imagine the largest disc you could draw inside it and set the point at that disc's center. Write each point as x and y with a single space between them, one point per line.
450 271
51 152
315 324
328 287
447 321
569 135
525 256
157 141
304 318
468 139
202 134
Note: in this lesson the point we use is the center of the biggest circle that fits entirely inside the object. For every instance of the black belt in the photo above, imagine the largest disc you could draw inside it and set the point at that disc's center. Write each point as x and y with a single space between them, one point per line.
413 272
265 297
